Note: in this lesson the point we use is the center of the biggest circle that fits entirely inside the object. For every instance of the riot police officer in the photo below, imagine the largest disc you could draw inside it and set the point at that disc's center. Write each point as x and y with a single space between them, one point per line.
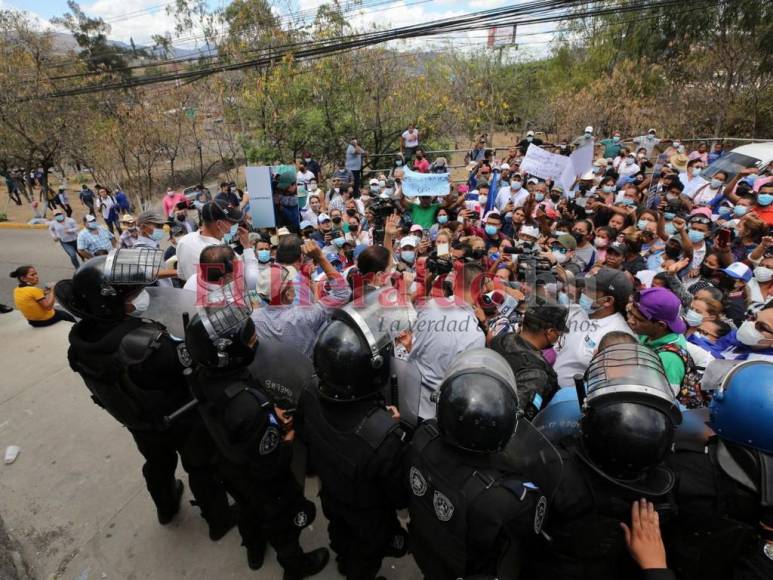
725 482
467 515
355 442
613 454
253 436
134 370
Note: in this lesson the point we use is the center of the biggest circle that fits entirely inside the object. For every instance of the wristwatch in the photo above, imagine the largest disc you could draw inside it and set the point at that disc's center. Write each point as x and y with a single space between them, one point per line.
767 549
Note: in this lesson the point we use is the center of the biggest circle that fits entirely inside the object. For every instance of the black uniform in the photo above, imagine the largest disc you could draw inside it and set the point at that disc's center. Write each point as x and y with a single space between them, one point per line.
587 541
536 381
716 535
356 448
254 462
466 516
133 371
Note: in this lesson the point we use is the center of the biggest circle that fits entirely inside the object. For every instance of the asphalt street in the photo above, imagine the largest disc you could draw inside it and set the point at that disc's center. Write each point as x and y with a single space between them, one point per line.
75 498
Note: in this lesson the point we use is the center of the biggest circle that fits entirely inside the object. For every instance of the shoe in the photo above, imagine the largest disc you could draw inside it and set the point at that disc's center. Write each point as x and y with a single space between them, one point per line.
255 555
219 529
5 309
313 563
164 519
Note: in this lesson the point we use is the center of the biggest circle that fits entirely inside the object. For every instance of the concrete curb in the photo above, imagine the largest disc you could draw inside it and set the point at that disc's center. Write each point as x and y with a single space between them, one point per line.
21 226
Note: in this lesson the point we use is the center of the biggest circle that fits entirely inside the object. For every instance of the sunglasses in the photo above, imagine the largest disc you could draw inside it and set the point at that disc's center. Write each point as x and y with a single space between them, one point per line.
700 220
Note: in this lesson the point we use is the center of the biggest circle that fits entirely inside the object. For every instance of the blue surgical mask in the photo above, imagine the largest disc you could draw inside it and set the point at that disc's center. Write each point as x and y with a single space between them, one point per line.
670 229
616 138
563 299
442 219
516 185
724 211
60 218
339 242
642 224
408 256
693 318
539 196
229 236
92 225
764 199
695 236
491 230
587 304
157 234
608 188
715 184
740 210
264 256
668 216
627 201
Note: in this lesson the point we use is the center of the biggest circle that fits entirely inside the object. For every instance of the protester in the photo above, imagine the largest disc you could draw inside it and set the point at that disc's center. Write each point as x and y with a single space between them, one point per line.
35 304
64 230
106 204
94 239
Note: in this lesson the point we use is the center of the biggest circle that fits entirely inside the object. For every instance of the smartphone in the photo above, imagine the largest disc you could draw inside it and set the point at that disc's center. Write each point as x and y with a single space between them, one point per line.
723 238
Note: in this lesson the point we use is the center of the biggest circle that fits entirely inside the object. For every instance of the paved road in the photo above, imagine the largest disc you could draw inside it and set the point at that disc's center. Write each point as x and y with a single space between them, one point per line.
75 498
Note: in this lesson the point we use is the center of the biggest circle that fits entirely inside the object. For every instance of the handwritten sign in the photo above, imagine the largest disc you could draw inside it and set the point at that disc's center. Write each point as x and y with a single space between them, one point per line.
261 200
425 184
580 162
544 164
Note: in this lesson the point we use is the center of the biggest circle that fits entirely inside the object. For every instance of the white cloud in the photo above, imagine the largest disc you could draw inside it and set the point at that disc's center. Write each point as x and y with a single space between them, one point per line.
137 19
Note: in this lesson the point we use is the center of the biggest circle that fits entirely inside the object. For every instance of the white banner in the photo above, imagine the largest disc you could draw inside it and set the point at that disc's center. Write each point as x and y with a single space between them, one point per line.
417 184
544 164
580 162
261 200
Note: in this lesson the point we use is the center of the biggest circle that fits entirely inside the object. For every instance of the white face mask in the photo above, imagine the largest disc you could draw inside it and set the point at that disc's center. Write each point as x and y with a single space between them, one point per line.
141 303
747 334
560 257
763 274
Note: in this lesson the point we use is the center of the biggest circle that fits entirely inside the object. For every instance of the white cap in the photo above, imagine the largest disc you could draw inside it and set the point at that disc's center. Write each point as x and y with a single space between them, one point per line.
504 166
412 241
589 129
323 217
651 131
416 228
374 181
282 232
588 176
530 134
532 231
90 218
492 212
646 277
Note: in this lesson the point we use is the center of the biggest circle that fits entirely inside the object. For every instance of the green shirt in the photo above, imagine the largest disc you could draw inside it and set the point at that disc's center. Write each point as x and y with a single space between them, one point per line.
611 149
424 216
672 363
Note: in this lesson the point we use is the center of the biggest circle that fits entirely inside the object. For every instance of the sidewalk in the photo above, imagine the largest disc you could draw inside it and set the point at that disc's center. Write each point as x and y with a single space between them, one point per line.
75 499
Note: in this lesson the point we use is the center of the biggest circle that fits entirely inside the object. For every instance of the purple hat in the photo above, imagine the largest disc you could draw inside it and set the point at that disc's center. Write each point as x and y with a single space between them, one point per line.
662 305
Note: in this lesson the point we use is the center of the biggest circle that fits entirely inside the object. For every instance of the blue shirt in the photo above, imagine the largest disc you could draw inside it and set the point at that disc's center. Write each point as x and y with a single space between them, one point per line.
353 159
92 241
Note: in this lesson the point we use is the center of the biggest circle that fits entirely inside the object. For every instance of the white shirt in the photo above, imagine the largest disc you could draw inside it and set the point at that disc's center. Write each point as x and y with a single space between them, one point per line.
698 253
700 356
105 205
705 195
440 334
691 184
647 142
188 252
581 342
411 138
303 178
66 231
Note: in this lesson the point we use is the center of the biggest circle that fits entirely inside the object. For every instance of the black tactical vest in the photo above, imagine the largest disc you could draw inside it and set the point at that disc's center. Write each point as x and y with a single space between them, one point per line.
340 457
106 371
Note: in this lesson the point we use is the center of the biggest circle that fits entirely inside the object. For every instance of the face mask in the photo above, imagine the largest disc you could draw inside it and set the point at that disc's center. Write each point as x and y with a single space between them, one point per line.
408 256
696 170
696 236
724 211
558 233
559 257
706 271
482 199
336 220
627 201
693 318
629 161
668 216
374 189
339 242
588 135
529 139
157 234
141 303
555 197
740 210
716 184
763 274
651 135
616 138
491 230
608 188
764 199
672 196
312 186
539 196
642 224
600 242
563 299
170 193
60 218
264 256
307 159
92 225
587 304
516 185
442 219
747 334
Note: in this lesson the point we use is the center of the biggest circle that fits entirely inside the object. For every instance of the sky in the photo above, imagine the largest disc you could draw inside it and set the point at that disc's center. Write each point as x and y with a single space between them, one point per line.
140 19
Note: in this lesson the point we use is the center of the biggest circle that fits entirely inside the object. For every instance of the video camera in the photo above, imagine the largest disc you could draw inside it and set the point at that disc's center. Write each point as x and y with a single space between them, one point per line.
382 207
439 266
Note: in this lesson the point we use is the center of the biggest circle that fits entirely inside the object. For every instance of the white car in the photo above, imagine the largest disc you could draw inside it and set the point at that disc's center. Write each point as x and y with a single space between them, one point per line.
758 155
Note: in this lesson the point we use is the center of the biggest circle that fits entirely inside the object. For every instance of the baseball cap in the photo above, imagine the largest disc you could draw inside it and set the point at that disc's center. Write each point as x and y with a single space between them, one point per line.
504 166
282 232
700 211
151 216
589 129
739 271
416 228
531 231
651 130
214 210
550 312
306 224
661 305
90 218
619 247
127 218
613 283
530 133
412 241
373 182
286 176
567 241
323 217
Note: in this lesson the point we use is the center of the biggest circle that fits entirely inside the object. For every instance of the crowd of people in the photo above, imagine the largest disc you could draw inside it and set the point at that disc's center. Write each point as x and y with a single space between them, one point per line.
522 366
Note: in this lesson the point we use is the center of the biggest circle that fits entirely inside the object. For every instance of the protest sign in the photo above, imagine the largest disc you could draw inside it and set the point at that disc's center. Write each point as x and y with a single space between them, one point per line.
580 162
543 164
261 200
425 184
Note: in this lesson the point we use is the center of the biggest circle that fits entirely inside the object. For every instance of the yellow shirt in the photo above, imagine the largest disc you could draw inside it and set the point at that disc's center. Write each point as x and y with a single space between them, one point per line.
26 300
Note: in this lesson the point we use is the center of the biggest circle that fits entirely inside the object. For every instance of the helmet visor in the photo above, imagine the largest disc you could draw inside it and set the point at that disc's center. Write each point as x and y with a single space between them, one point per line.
133 266
224 311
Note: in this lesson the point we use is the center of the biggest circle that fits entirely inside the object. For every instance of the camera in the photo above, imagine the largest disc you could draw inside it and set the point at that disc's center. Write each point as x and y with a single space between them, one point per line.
439 266
382 207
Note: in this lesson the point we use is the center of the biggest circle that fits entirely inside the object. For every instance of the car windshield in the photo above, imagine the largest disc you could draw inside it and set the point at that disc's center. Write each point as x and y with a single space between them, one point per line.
731 164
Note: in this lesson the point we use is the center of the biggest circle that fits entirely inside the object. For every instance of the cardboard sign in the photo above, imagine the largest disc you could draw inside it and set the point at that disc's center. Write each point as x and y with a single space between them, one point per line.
261 200
544 164
425 184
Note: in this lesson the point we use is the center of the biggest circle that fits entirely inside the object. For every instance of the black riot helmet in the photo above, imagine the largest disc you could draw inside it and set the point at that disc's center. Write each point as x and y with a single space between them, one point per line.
352 353
629 418
102 286
222 334
478 409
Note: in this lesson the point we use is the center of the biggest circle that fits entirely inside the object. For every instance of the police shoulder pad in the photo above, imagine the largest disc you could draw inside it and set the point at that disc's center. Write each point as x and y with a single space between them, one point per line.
137 345
376 426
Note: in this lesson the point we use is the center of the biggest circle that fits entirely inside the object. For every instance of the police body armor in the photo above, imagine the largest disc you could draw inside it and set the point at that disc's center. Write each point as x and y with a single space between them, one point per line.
106 365
442 489
340 457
